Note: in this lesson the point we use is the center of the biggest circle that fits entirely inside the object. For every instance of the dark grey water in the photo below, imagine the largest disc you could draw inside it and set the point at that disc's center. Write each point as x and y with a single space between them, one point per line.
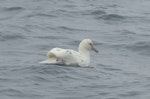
119 28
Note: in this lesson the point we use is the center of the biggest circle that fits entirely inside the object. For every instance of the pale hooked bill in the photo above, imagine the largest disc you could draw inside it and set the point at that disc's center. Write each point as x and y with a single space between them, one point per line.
70 57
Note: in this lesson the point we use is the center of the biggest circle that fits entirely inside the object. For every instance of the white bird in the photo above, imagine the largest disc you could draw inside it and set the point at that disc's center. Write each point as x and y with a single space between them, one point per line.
81 58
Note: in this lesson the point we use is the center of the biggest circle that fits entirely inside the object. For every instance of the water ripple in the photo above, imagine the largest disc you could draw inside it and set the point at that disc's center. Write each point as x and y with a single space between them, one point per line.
8 37
13 9
70 29
8 13
30 28
40 15
130 94
141 46
10 92
114 17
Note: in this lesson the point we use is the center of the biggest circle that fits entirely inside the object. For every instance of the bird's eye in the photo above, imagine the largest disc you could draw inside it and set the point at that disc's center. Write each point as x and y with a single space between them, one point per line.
90 43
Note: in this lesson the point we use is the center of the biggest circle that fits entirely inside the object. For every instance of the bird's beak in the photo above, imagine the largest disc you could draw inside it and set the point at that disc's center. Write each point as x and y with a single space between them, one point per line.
94 49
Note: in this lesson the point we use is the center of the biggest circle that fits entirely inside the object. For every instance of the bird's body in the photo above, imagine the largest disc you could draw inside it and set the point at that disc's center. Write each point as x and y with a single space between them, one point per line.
70 57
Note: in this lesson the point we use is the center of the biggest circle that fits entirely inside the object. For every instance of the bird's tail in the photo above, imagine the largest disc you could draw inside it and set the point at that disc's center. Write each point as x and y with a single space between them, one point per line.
52 59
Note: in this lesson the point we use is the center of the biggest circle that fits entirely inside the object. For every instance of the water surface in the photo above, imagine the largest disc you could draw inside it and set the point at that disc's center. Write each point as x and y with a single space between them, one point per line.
119 29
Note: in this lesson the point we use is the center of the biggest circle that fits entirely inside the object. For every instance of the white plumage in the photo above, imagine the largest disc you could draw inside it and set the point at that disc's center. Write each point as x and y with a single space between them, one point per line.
70 57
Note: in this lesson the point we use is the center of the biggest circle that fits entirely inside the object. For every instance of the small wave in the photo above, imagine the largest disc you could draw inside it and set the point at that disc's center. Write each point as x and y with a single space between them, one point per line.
13 9
104 93
39 78
70 29
53 69
7 13
40 15
75 42
142 47
126 32
109 68
98 12
66 28
112 17
51 37
11 37
95 12
10 91
45 15
130 93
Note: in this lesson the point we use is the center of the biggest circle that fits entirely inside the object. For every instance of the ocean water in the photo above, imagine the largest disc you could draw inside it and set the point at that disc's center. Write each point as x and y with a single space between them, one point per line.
120 30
